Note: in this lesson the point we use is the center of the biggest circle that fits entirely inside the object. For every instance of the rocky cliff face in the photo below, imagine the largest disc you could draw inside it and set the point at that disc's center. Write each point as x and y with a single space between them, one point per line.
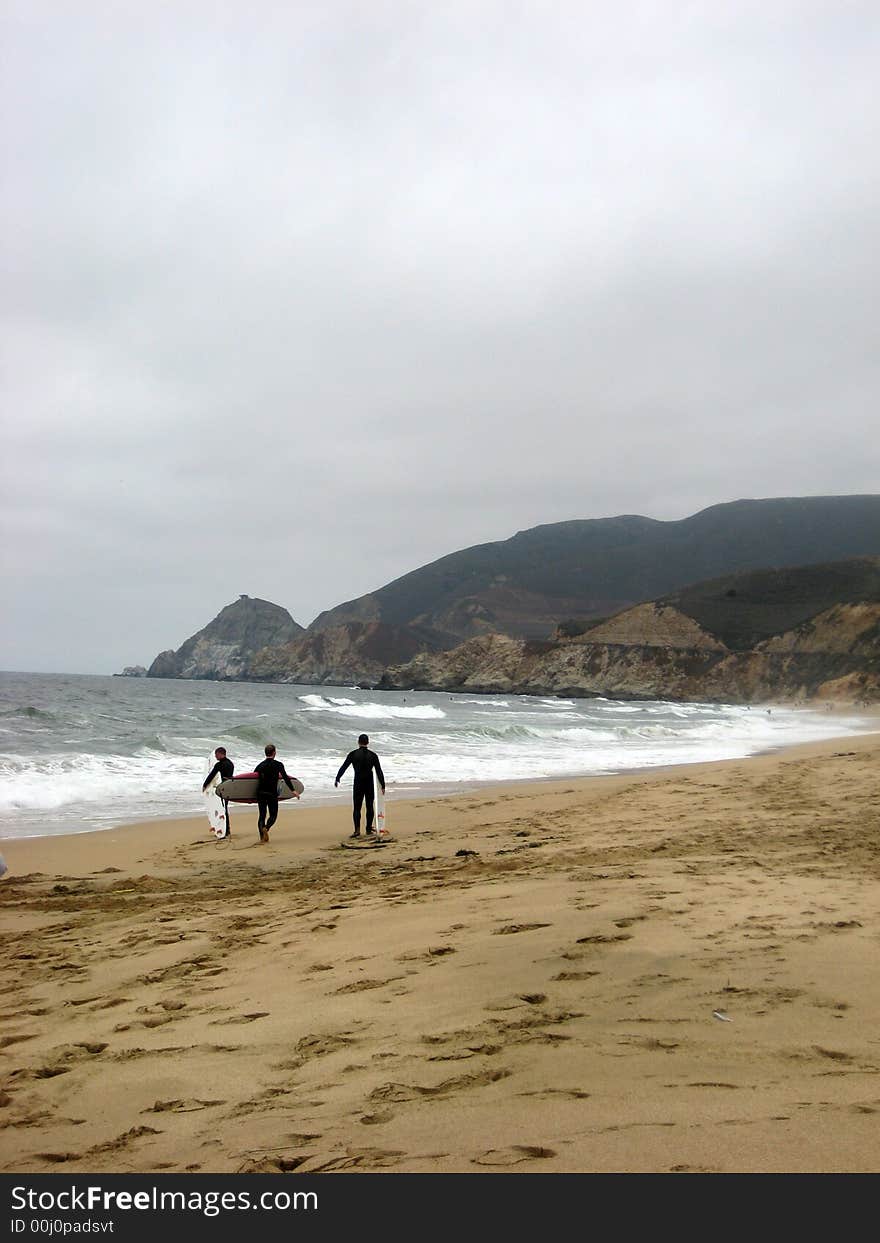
834 656
224 649
358 653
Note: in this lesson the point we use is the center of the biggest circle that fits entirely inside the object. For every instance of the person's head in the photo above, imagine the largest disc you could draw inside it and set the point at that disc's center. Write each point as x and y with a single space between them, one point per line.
220 753
270 750
363 740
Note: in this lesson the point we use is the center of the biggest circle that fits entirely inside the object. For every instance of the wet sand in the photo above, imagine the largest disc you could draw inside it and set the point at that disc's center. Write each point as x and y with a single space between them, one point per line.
669 971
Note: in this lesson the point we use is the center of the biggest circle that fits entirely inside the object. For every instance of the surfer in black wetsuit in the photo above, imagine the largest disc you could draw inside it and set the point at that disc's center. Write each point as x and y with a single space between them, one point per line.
363 761
226 769
268 772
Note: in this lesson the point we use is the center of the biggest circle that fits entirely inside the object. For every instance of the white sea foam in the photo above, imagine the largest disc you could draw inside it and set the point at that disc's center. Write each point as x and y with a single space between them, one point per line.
52 782
372 711
391 712
484 703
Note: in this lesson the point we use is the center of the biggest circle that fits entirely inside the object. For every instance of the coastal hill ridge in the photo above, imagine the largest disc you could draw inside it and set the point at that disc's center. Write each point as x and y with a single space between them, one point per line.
522 613
590 568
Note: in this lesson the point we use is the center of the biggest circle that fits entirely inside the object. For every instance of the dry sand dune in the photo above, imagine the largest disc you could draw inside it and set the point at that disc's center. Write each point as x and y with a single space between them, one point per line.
670 971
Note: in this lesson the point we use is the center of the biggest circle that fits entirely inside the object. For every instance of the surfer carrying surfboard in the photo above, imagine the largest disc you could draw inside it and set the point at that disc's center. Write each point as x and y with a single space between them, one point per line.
363 762
269 771
224 768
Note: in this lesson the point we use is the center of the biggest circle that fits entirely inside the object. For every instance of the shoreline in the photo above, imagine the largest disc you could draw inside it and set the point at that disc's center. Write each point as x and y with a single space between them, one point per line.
664 971
472 787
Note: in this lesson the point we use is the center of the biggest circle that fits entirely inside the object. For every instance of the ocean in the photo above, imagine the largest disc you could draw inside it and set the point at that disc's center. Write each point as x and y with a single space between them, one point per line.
80 753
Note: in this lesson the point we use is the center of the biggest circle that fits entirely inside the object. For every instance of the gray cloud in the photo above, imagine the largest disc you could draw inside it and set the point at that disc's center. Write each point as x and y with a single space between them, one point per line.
298 298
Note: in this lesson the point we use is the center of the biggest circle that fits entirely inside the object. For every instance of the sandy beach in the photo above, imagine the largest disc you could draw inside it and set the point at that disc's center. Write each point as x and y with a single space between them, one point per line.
668 971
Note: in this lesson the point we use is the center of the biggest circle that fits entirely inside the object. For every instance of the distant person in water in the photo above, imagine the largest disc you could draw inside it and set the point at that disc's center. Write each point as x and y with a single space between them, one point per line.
363 761
269 771
225 768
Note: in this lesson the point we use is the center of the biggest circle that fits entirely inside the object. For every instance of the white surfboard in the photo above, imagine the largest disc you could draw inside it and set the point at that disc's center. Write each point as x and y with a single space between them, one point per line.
214 807
381 816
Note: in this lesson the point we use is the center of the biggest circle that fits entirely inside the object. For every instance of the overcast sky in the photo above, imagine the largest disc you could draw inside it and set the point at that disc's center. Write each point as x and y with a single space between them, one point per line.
299 296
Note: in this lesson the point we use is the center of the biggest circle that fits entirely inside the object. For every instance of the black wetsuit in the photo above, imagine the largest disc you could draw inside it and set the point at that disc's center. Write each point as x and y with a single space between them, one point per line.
226 769
269 772
363 761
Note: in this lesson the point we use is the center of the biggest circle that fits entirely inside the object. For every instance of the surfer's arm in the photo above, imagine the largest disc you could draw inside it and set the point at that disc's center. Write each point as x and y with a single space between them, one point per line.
345 765
287 779
380 774
211 775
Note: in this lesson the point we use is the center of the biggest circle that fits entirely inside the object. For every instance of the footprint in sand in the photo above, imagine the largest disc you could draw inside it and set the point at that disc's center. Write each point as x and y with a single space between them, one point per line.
158 1021
6 1041
510 929
360 1158
513 1155
63 1060
464 1055
310 1047
574 1093
180 1106
411 1092
360 986
434 951
113 1145
240 1018
272 1165
836 1055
